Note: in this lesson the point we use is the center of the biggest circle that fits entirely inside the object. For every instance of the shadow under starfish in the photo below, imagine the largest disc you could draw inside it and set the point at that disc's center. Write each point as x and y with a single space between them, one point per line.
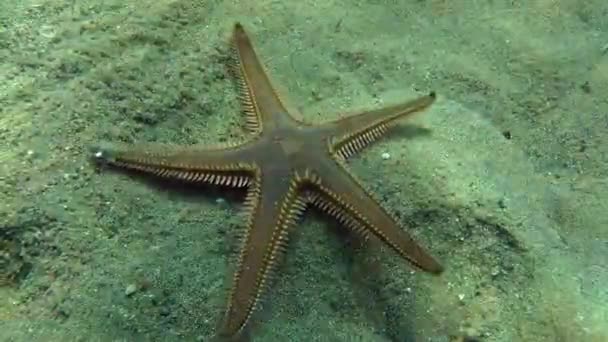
286 165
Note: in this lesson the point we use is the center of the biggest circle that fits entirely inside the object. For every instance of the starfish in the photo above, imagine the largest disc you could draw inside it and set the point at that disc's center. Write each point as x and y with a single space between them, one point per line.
286 165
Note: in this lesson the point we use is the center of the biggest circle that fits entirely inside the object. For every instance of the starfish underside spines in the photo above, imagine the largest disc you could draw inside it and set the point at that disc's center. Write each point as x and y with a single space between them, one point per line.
342 208
245 96
330 208
354 143
291 206
333 204
259 98
252 201
358 131
217 177
159 163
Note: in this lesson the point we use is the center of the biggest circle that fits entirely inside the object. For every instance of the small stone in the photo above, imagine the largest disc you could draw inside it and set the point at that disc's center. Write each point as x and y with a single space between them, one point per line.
386 155
131 289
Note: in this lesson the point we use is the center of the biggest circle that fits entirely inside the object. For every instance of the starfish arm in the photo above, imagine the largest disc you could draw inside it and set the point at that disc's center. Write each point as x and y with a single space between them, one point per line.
274 205
344 198
221 166
259 99
353 133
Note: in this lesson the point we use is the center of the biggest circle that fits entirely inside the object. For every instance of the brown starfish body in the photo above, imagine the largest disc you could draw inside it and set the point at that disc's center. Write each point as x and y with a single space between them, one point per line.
286 165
